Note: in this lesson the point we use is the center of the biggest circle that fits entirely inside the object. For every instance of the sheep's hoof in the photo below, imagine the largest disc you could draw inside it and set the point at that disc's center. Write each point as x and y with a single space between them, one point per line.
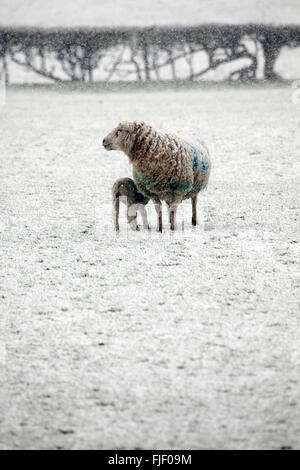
134 227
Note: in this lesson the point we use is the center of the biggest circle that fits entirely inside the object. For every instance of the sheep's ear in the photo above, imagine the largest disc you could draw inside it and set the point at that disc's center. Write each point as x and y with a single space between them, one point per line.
122 125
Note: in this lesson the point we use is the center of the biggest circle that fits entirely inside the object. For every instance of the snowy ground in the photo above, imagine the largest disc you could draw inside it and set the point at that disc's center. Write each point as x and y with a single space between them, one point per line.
185 340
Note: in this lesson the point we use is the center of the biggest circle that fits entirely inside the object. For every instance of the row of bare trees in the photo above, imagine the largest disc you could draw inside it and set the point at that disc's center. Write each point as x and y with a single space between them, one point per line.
143 54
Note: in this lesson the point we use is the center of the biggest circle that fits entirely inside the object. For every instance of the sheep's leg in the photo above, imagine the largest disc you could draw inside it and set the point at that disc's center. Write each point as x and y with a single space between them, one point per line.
116 211
194 210
172 213
160 219
159 215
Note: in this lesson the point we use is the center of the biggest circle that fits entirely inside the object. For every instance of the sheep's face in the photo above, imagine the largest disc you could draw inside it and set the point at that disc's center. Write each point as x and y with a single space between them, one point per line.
119 138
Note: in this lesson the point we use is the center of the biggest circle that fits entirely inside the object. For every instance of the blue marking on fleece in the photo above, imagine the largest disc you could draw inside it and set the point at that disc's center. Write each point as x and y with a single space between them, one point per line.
205 163
200 155
195 161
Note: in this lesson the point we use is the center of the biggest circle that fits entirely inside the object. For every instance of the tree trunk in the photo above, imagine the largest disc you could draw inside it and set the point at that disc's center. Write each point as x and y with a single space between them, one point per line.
146 61
271 52
5 70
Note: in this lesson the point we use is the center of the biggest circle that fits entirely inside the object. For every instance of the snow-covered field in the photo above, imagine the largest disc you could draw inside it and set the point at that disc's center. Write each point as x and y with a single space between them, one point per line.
184 340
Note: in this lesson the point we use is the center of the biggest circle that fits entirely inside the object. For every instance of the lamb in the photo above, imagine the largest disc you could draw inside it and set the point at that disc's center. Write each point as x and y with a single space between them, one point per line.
126 190
165 166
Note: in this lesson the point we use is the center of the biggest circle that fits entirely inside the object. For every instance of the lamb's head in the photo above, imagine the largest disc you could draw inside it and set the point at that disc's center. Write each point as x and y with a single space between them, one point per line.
122 137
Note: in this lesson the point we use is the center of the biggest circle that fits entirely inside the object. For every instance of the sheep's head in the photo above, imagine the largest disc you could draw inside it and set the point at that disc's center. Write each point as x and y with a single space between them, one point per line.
122 137
119 138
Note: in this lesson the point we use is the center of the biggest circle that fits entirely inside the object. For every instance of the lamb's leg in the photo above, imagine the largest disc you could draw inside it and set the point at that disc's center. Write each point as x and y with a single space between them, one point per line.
132 216
159 215
116 211
144 217
194 210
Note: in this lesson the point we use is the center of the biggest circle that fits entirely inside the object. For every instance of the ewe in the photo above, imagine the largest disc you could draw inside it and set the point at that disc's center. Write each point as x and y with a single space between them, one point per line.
165 166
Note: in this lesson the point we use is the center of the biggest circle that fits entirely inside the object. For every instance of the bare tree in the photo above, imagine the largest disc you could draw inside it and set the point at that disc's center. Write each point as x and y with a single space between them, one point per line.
74 55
